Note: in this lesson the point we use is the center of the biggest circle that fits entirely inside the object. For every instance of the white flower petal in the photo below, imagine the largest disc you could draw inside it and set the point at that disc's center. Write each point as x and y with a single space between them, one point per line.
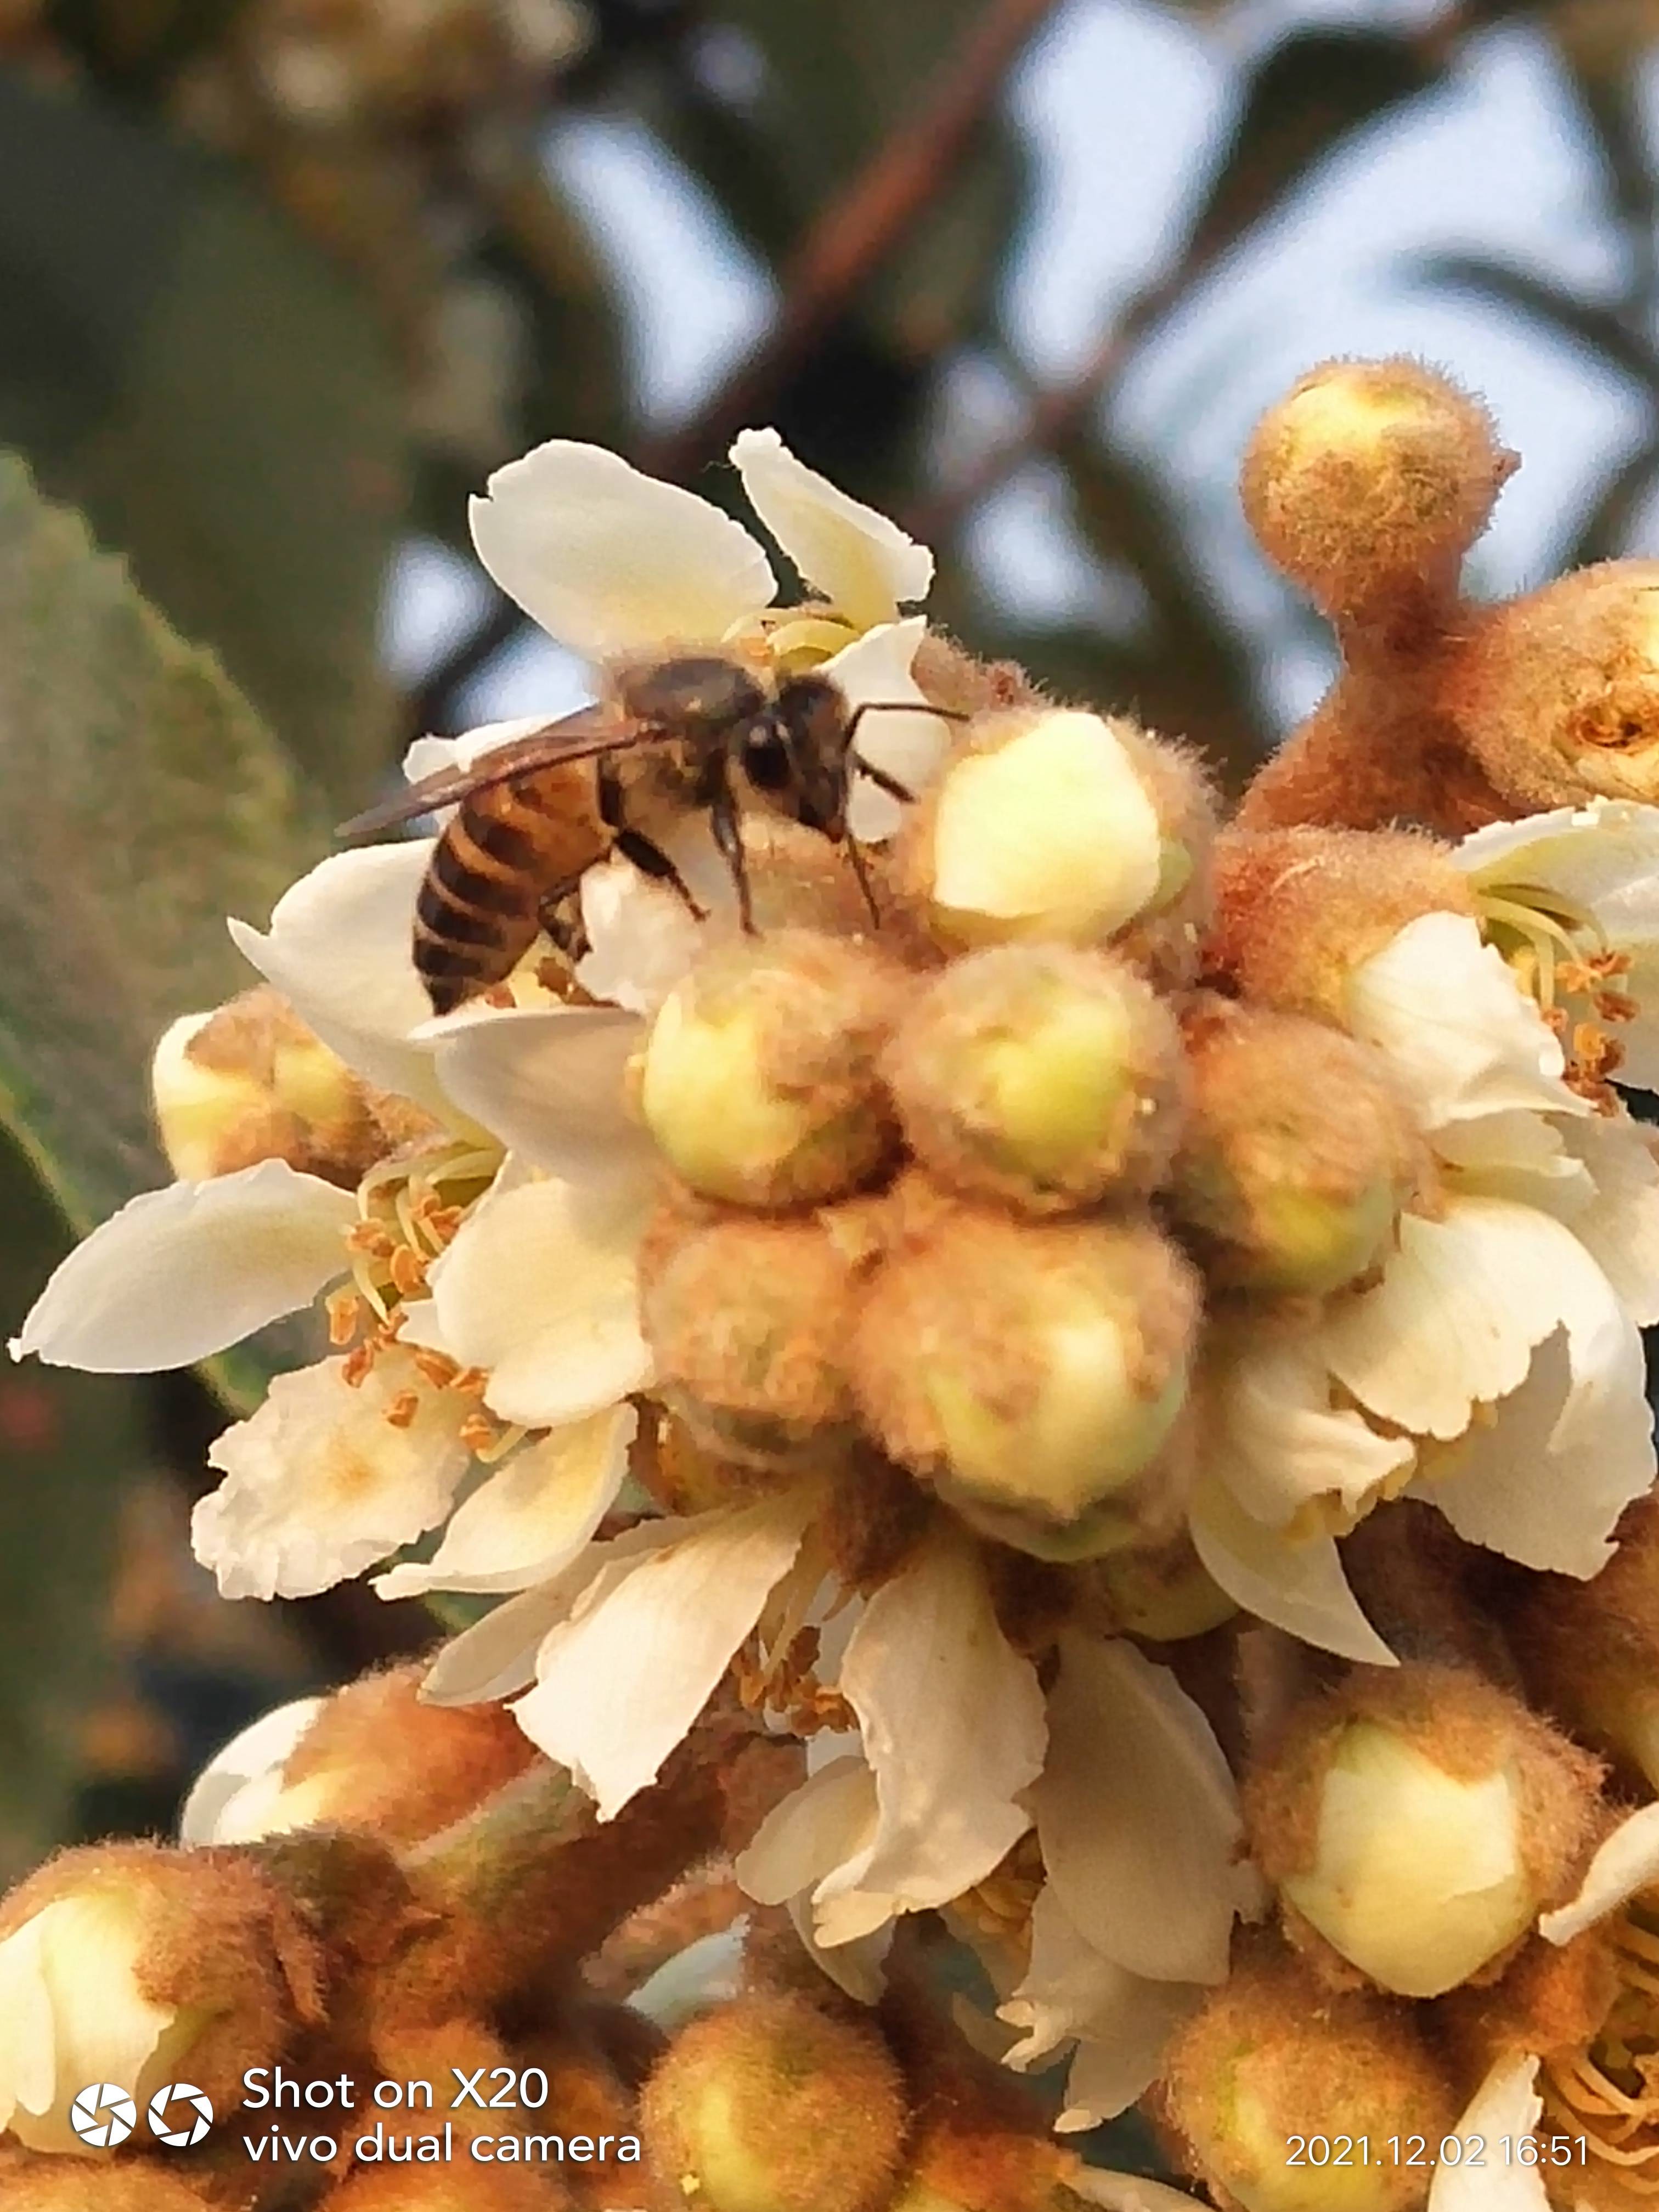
1066 1983
953 1729
258 1752
178 1274
435 755
1277 1442
621 1681
1620 1226
497 1654
1297 1584
539 1286
863 564
1627 1861
28 2065
875 672
1504 2110
1121 2056
608 560
1545 1477
547 1081
319 1485
642 937
1463 1303
831 1820
340 946
1138 1815
1519 1155
1460 1036
533 1516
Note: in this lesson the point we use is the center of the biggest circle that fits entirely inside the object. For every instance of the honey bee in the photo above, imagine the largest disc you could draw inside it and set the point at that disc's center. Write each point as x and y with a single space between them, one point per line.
700 732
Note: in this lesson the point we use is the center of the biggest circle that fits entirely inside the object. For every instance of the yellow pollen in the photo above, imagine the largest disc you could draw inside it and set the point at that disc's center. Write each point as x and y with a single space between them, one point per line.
345 1312
400 1413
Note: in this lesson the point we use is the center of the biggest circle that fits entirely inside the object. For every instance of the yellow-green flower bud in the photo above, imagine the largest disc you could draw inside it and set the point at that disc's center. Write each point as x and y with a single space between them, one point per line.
1041 1074
748 1321
1415 1822
139 1966
1032 1372
1051 824
1163 1594
758 1080
1297 1155
1271 2061
251 1082
775 2104
1370 479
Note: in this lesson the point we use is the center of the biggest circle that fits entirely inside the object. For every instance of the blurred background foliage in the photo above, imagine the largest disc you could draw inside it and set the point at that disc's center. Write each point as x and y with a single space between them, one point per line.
281 281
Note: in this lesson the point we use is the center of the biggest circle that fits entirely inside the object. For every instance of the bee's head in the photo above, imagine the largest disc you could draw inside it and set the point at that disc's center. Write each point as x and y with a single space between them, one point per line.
796 755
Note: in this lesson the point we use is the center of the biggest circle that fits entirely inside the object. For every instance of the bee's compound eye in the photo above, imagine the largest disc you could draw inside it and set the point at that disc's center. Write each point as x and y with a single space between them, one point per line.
766 760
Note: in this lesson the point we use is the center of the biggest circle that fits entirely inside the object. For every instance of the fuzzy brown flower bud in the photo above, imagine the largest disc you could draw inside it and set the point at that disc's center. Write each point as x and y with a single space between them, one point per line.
758 1079
748 1321
1052 823
1556 696
1591 1649
1039 1074
1415 1822
140 1966
1271 2059
39 2184
1297 1155
1370 481
374 1758
1297 910
774 2104
1034 1373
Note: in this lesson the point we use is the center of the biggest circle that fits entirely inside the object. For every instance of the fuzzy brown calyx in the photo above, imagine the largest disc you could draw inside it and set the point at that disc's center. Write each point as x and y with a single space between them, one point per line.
35 2182
1415 1822
1039 1074
1556 696
1369 481
774 2104
1271 2057
748 1320
377 1760
1057 824
1298 909
478 2188
1033 1372
1297 1154
758 1077
191 1965
1591 1650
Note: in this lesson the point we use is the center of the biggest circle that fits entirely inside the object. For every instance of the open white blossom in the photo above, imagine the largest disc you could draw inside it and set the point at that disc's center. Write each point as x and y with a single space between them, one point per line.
1496 1365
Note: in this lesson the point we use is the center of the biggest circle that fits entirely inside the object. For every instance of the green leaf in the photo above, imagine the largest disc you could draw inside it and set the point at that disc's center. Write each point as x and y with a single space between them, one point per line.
67 1442
1308 95
141 802
1583 323
215 395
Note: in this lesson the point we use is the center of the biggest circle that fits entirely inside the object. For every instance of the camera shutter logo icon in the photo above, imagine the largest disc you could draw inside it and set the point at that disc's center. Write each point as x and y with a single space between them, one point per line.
103 2115
181 2115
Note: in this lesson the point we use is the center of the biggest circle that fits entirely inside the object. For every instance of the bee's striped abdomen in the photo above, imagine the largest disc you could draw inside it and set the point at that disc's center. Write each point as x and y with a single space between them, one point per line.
496 861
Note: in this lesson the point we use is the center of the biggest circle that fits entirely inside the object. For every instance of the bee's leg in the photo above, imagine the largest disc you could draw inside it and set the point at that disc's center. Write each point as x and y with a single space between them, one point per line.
634 845
562 920
724 821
